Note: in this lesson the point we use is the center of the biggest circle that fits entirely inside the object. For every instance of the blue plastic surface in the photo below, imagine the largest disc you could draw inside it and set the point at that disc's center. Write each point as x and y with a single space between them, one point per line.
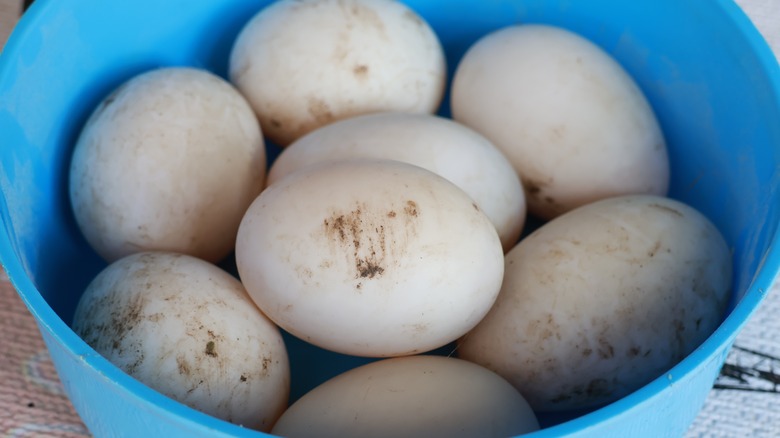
710 77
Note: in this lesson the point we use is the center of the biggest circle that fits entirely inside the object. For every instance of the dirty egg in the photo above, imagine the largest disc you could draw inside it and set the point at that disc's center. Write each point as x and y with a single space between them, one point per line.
303 65
600 301
442 146
416 396
187 329
369 257
574 124
169 161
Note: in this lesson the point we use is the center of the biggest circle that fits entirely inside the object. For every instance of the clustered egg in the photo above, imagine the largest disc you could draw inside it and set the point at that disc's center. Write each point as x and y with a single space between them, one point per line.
169 162
358 257
572 122
188 329
386 231
304 64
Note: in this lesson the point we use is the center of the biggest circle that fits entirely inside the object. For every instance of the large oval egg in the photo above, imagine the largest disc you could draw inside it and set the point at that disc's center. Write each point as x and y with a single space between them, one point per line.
574 124
304 64
370 257
168 162
600 301
442 146
187 329
416 396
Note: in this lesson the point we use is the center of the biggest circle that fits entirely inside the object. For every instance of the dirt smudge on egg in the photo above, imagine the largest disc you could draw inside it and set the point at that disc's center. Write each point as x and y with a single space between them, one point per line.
366 234
320 110
360 71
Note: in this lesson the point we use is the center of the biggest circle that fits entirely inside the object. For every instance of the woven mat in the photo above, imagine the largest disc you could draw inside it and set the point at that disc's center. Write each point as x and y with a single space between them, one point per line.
745 402
32 401
750 407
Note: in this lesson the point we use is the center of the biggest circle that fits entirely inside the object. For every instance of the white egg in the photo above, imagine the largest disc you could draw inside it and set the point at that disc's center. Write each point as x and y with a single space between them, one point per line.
170 161
370 257
188 329
303 64
416 396
600 301
442 146
573 123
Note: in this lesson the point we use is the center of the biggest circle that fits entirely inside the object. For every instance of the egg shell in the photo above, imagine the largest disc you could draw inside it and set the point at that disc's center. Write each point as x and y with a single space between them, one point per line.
571 120
602 300
369 257
187 329
169 161
442 146
416 396
306 64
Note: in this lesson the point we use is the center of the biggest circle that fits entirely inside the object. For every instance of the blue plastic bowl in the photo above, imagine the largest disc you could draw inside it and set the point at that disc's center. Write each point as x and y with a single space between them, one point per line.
711 78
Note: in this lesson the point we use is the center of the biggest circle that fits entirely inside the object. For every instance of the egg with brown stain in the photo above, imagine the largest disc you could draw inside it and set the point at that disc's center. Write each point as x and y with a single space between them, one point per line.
187 329
602 300
305 64
370 257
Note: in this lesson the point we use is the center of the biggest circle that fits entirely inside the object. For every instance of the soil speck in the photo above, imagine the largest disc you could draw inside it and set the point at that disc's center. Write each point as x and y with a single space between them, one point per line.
320 110
183 366
411 208
367 269
360 71
210 349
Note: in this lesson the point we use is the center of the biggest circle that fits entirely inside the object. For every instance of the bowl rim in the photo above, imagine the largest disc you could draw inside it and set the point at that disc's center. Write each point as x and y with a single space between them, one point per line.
721 339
